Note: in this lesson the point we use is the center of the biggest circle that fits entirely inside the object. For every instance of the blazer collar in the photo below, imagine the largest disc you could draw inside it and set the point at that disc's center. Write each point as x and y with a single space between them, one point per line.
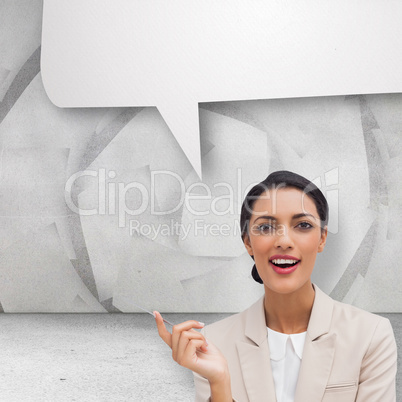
317 358
319 323
255 327
321 314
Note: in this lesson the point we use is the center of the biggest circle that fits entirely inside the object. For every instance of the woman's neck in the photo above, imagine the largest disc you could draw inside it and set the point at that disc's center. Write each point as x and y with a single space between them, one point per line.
289 313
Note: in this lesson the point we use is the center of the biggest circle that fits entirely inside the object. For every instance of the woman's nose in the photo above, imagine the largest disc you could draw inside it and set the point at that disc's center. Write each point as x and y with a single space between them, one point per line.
283 238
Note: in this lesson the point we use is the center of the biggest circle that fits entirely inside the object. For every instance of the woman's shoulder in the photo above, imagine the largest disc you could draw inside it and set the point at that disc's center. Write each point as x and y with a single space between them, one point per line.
352 320
338 312
233 325
226 325
349 313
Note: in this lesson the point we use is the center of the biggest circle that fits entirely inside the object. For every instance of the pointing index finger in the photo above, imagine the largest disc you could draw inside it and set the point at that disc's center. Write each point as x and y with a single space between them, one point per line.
163 332
176 330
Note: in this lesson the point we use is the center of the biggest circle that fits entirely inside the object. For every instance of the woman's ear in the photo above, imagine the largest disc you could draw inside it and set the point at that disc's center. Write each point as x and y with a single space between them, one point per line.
247 244
323 239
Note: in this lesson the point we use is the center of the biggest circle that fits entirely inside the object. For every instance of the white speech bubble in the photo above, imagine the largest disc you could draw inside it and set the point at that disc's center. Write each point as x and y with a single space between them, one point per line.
174 54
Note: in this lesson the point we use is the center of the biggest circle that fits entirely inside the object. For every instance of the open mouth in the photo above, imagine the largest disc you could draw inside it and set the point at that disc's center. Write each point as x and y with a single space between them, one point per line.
281 263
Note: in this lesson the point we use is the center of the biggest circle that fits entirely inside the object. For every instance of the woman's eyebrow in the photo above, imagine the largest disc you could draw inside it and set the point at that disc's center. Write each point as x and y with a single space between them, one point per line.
271 218
295 216
301 215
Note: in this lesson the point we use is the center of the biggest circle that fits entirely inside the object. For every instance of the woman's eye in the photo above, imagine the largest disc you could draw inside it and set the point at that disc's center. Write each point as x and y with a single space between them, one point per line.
265 228
305 225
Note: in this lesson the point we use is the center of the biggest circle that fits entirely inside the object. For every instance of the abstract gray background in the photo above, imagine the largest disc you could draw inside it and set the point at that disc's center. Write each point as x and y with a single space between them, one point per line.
54 260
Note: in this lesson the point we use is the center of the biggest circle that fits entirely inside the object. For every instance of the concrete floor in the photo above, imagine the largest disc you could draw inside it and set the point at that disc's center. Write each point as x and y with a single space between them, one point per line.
100 357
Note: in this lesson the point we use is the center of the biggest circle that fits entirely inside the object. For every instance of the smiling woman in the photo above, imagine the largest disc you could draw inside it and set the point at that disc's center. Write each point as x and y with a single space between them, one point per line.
283 220
295 343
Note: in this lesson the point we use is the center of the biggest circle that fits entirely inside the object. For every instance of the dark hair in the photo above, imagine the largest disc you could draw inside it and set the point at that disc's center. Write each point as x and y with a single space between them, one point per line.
277 180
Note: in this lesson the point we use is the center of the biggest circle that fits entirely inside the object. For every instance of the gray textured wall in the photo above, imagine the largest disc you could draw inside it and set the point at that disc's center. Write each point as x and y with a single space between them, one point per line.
55 260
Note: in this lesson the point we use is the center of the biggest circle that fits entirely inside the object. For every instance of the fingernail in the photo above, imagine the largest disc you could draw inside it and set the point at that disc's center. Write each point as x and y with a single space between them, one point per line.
201 323
206 341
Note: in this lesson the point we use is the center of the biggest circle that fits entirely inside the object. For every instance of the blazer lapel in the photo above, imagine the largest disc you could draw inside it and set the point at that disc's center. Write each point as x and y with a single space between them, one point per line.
318 352
254 356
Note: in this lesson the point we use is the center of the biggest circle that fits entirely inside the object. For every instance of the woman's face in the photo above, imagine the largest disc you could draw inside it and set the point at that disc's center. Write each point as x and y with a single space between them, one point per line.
284 238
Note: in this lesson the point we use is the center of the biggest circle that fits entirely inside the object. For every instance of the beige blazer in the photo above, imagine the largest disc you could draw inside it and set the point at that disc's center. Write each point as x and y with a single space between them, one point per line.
349 355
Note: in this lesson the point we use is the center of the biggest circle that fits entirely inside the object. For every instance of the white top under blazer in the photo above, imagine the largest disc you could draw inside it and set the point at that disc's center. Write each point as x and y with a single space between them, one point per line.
286 354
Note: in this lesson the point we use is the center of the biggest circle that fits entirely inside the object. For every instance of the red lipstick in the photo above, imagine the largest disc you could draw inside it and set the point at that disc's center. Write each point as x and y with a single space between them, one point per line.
283 257
284 270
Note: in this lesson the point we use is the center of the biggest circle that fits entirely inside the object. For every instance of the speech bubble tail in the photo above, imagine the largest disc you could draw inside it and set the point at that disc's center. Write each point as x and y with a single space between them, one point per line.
183 121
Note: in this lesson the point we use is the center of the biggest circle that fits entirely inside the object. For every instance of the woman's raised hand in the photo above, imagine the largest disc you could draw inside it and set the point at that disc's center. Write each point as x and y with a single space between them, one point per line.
191 350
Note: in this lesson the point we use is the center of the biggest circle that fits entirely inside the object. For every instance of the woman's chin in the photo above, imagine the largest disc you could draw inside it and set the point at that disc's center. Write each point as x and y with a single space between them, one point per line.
283 286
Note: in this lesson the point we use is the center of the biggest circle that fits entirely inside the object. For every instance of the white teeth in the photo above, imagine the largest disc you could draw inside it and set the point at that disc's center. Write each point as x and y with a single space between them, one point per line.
280 261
